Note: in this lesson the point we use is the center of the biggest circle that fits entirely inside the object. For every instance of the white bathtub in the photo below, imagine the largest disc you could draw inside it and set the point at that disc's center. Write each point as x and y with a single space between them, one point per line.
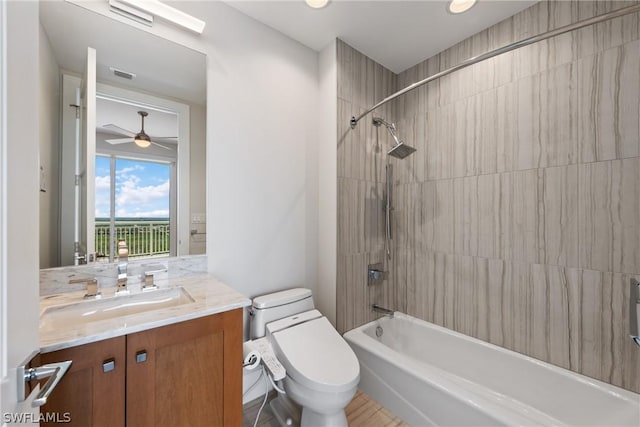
429 375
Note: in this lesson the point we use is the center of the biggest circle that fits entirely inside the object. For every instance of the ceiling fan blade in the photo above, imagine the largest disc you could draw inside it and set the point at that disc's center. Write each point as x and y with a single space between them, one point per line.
172 141
163 137
160 145
115 128
119 141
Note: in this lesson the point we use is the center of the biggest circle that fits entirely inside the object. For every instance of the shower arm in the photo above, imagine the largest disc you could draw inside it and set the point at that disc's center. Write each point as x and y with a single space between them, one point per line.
391 127
499 51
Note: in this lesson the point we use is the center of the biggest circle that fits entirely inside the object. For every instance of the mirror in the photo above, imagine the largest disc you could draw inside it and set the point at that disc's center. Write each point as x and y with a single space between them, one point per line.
152 196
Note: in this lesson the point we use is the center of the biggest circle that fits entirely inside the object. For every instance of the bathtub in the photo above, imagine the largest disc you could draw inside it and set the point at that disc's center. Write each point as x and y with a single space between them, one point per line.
432 376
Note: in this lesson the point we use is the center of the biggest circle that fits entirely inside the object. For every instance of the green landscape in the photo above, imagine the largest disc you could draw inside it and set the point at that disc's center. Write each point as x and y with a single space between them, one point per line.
144 236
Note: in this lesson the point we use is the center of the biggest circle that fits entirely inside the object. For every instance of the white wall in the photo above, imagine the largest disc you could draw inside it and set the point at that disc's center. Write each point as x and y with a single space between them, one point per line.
49 81
262 89
327 182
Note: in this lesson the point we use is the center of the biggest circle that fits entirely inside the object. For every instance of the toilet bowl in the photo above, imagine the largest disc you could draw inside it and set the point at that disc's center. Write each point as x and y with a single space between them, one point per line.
322 372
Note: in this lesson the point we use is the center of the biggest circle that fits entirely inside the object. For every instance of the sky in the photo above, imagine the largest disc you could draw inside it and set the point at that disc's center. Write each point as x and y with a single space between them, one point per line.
142 189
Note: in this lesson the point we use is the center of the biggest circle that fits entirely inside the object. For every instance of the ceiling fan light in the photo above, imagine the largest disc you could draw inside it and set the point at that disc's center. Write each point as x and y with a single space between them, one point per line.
142 140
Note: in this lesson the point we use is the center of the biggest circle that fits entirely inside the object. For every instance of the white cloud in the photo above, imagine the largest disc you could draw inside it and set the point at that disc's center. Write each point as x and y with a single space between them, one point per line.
132 194
103 183
126 170
133 198
102 196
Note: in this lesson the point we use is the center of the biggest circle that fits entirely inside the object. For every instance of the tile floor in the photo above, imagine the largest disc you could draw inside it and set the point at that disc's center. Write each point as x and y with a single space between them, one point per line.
361 412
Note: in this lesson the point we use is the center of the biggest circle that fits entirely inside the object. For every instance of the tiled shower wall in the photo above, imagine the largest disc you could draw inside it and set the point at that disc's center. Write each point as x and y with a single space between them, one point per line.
361 176
516 221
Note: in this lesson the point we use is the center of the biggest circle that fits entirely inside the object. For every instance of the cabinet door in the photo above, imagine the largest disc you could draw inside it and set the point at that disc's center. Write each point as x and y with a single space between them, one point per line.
92 390
187 373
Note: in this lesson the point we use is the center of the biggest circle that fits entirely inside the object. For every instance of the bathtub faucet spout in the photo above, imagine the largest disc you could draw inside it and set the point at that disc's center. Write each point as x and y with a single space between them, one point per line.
385 311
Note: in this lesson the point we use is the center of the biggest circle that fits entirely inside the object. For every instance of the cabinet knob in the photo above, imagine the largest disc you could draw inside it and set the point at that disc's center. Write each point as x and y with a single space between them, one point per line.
141 356
108 365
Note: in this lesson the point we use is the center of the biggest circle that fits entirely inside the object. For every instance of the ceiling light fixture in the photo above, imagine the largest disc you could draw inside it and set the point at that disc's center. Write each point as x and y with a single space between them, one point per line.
168 13
141 139
459 6
317 4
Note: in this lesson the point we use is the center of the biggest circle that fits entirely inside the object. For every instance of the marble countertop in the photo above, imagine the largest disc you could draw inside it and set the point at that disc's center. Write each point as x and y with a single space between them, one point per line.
209 296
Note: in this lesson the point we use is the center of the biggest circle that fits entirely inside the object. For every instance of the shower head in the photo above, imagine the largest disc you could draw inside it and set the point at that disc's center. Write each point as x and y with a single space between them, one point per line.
400 150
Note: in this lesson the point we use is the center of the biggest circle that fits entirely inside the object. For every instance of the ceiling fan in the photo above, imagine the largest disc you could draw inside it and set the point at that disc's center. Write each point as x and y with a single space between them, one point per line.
141 139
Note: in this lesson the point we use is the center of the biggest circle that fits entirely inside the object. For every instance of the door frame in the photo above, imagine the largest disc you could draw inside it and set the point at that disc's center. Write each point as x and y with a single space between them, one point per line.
19 197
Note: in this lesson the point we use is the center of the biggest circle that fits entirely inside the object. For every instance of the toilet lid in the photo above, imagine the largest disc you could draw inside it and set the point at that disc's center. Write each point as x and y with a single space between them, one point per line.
316 356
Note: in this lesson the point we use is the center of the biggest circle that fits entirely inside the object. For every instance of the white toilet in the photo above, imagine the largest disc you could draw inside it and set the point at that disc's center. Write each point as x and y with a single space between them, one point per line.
322 370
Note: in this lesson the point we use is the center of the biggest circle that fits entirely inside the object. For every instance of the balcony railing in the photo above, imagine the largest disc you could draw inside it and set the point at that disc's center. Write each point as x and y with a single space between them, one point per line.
144 238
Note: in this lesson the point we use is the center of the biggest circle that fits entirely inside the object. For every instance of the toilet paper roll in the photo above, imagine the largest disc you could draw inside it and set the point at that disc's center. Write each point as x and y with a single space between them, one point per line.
251 357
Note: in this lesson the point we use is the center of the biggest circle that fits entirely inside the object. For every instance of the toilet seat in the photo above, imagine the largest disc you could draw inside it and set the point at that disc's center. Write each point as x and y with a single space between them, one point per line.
317 357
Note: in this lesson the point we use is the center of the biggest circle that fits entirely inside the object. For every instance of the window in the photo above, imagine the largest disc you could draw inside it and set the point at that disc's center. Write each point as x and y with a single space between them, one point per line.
133 203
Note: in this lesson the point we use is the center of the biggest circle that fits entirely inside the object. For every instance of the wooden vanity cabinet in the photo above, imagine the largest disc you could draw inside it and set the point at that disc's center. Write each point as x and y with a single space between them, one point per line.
88 394
192 375
184 374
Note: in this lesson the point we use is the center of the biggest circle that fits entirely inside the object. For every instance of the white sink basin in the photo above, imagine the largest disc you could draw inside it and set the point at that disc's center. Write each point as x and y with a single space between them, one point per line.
64 316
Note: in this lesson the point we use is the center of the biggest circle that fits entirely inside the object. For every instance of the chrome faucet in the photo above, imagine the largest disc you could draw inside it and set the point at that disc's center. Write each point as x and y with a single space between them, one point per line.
123 263
385 311
92 287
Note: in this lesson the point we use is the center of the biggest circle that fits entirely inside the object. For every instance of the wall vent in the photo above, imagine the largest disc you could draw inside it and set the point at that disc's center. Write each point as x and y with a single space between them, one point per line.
122 74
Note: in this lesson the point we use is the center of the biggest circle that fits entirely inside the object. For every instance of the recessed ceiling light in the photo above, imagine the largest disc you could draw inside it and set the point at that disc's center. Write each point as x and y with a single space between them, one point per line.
317 4
459 6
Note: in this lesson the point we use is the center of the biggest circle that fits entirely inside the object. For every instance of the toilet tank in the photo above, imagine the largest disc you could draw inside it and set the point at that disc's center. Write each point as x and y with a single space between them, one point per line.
278 305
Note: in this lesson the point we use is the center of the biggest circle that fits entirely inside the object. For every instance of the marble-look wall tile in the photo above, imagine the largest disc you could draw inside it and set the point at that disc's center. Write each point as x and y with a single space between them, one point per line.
351 216
519 333
444 295
603 349
550 53
374 217
351 291
351 145
559 203
609 230
361 175
465 216
495 309
489 226
403 279
465 307
464 138
344 58
443 230
609 90
547 119
401 224
520 217
608 34
436 140
550 313
426 239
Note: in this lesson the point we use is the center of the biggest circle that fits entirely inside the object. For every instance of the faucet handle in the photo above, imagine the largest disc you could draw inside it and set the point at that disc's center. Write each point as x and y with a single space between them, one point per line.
123 250
92 287
148 283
